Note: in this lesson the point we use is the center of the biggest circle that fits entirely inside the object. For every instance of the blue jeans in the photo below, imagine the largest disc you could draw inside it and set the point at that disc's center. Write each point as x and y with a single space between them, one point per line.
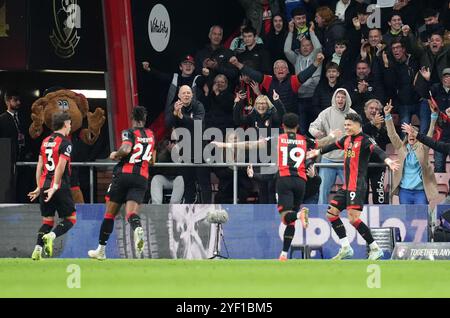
328 176
412 196
439 161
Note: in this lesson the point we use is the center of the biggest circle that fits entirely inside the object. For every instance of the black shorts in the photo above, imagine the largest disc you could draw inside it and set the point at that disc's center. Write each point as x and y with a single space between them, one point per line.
344 199
61 202
290 191
127 187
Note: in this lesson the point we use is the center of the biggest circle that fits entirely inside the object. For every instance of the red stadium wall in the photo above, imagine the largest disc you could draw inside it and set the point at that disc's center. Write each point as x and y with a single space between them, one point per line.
120 61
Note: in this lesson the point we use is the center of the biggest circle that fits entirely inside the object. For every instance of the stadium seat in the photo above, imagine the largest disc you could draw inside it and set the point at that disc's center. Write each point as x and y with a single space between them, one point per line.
306 250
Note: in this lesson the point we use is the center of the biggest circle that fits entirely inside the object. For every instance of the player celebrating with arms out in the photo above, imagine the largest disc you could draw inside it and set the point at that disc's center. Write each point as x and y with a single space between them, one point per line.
291 179
129 183
357 148
53 179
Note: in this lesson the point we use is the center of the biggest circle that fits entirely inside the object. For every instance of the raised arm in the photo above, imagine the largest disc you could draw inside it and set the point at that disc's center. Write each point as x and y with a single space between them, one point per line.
241 144
433 144
290 55
330 139
393 136
304 75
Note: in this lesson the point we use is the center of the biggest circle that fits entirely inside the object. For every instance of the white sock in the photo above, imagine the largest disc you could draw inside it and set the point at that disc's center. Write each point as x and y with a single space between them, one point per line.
101 248
52 234
374 246
285 254
38 247
344 242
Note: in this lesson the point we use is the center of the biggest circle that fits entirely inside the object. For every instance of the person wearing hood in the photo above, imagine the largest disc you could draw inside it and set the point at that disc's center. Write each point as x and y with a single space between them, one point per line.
329 119
414 182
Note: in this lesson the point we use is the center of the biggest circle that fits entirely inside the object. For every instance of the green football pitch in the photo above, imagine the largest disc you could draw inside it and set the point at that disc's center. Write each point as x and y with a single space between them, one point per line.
223 278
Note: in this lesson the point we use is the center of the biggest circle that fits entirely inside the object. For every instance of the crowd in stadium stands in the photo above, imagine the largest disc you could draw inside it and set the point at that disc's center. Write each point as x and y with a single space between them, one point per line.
320 59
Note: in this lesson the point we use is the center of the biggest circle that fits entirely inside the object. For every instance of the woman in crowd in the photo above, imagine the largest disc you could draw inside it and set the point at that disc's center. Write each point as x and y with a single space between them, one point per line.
414 182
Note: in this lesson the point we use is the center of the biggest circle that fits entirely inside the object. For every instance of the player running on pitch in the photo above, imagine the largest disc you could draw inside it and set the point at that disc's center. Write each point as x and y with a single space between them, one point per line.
53 179
129 183
357 148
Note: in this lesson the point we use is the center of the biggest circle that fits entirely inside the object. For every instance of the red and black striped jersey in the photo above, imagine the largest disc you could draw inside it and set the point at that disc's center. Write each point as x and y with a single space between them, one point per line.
357 151
53 148
142 142
292 150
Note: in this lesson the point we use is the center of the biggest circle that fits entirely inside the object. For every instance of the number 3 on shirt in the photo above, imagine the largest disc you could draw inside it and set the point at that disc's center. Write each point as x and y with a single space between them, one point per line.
296 154
139 149
50 165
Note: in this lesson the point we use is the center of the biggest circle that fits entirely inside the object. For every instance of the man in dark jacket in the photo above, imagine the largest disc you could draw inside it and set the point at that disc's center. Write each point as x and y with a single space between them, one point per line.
285 84
329 29
215 56
326 88
436 56
399 75
364 87
187 113
176 80
430 26
256 53
10 125
373 125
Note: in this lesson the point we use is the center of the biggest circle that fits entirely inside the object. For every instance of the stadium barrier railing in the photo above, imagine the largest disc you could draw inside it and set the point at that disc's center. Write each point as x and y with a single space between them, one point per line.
234 165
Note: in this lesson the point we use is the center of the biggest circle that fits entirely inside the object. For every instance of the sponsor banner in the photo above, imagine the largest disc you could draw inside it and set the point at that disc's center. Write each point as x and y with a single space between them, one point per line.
172 231
422 251
182 231
255 231
66 35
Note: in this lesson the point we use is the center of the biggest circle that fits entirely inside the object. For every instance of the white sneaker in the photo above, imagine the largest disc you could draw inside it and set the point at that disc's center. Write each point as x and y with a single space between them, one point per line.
344 253
139 240
99 253
375 254
37 253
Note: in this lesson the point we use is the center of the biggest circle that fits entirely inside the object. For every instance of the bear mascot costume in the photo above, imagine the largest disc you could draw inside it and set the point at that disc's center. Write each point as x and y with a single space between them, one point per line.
78 108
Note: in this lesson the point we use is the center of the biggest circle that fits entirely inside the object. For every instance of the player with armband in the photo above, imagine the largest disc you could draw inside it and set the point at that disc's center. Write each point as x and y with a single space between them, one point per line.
357 148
